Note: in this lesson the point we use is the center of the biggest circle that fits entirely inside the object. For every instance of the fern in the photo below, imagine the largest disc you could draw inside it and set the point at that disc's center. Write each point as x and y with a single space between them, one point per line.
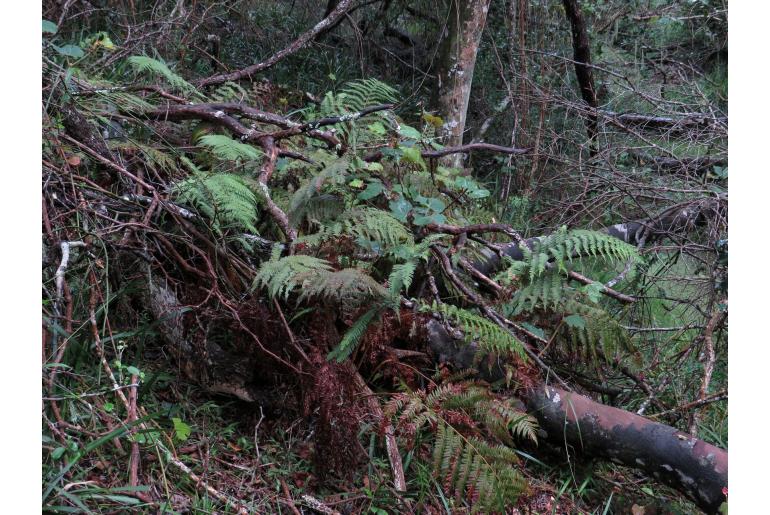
223 198
544 266
353 97
488 336
349 286
353 336
281 275
302 202
229 92
401 276
153 67
473 470
356 95
590 327
224 147
365 226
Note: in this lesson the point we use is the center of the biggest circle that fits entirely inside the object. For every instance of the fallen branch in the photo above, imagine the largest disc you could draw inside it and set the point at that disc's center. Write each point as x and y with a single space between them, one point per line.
692 466
295 46
465 149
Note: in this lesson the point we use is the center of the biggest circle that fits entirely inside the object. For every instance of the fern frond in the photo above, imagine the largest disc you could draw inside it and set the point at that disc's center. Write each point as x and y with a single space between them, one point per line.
348 286
148 65
591 327
223 198
401 276
280 276
224 147
489 336
356 95
473 470
353 336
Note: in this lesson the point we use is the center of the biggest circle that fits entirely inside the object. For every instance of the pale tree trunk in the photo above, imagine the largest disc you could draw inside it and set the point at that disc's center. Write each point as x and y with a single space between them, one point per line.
463 34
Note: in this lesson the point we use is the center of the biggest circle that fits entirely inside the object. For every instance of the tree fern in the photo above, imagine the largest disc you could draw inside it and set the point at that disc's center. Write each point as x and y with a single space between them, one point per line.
153 67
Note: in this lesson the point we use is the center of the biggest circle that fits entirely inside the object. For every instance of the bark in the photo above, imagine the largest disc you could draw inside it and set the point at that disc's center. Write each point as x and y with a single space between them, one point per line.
583 71
460 46
692 466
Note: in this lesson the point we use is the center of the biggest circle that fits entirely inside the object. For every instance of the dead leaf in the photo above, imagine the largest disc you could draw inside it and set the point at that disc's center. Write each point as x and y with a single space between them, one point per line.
73 160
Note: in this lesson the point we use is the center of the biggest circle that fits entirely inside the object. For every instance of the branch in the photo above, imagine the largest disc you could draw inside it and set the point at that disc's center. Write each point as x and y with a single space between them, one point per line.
295 46
465 149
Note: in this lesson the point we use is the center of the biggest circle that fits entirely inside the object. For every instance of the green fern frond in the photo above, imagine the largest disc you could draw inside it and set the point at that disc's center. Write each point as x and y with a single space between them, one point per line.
356 95
229 92
401 276
349 286
590 327
353 336
224 147
223 198
473 470
148 65
281 275
488 336
376 225
301 206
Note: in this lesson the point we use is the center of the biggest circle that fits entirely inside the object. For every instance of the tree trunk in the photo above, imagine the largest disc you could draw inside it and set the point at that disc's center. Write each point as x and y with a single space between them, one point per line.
459 47
583 70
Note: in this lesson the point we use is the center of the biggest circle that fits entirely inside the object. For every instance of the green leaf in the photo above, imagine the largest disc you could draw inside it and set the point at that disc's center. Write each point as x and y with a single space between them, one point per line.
73 51
49 27
593 290
181 429
430 219
372 190
400 208
409 132
575 321
133 371
108 407
356 183
533 329
411 154
377 128
58 453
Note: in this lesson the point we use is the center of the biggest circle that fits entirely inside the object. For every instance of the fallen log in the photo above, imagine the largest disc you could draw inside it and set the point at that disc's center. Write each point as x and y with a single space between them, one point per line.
688 464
